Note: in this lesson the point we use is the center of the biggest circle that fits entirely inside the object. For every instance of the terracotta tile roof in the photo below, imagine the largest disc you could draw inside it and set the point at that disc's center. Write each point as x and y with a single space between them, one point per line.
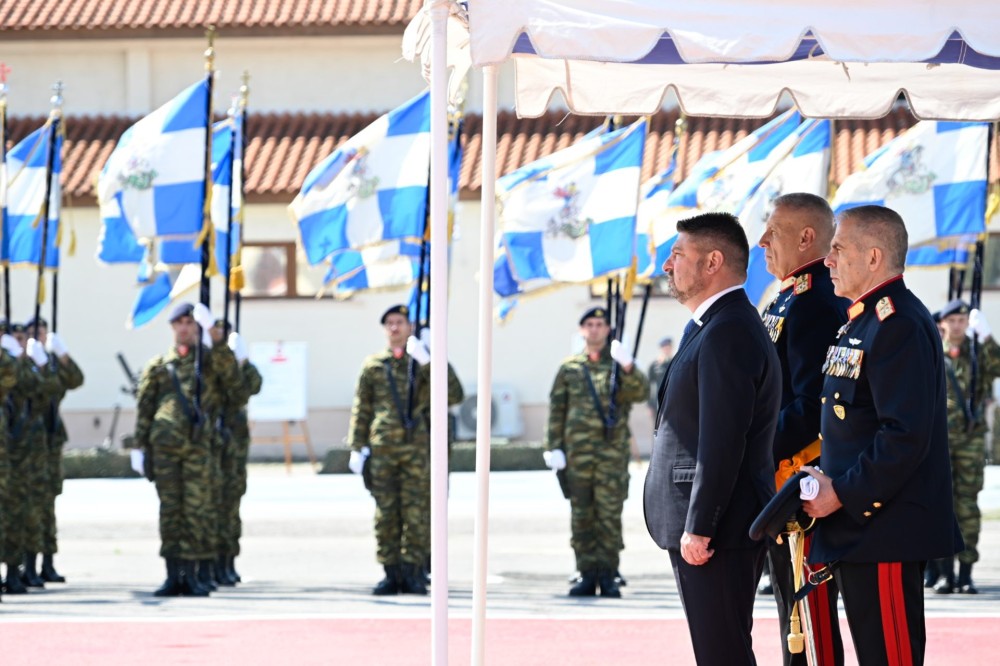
27 19
283 147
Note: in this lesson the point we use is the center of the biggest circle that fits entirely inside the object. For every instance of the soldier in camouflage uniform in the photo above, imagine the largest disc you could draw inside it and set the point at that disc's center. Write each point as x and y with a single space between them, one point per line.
390 446
28 449
966 432
233 461
593 452
70 377
10 368
177 439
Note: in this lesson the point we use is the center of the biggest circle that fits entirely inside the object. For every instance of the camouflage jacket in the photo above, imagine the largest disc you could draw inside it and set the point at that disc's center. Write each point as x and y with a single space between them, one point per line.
29 401
375 415
161 414
9 369
957 375
70 377
238 395
575 424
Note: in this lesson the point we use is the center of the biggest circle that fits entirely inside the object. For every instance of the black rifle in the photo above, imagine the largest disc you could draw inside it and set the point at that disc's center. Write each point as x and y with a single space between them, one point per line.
133 380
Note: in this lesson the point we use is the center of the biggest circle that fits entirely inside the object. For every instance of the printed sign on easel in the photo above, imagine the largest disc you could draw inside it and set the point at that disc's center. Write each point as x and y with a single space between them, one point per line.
282 396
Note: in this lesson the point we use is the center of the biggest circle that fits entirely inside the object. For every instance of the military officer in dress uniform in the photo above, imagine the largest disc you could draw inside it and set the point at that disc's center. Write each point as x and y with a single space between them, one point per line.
177 437
389 436
802 321
883 488
588 436
966 431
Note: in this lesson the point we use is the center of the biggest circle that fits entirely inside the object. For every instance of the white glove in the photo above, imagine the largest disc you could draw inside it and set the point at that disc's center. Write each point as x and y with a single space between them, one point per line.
203 316
357 461
55 345
621 355
206 338
36 350
239 346
10 343
425 336
554 459
418 351
808 488
978 324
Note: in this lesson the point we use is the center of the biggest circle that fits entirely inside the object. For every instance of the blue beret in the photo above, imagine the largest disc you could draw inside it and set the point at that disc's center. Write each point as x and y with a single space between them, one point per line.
395 309
957 306
181 310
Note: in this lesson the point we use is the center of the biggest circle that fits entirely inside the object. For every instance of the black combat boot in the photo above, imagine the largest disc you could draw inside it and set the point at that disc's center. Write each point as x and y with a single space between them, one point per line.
931 574
946 567
49 573
609 586
13 584
413 580
30 575
232 569
206 575
964 583
190 586
586 586
389 584
620 579
222 573
172 585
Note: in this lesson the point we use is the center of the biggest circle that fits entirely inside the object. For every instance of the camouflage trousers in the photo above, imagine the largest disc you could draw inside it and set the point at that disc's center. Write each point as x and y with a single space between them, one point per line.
25 492
968 458
5 504
399 484
598 488
233 467
219 442
54 488
183 483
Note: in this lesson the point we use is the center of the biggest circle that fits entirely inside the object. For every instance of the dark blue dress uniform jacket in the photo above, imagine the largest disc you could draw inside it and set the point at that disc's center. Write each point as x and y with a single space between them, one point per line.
885 436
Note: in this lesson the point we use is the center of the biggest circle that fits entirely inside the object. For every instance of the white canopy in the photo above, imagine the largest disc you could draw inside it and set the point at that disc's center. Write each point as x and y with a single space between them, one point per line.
736 57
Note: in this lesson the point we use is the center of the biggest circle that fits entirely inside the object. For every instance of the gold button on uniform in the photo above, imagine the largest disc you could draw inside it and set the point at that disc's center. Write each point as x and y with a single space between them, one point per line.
823 400
877 505
836 396
868 514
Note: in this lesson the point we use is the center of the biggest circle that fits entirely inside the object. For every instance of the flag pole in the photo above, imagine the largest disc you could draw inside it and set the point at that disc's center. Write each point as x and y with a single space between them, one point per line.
4 70
205 290
244 100
228 254
54 117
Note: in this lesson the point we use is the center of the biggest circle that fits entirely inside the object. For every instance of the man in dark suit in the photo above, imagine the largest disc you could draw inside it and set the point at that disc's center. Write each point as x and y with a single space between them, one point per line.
884 493
802 320
711 470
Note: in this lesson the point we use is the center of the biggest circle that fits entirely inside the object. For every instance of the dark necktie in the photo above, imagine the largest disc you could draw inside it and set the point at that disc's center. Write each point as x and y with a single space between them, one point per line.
689 330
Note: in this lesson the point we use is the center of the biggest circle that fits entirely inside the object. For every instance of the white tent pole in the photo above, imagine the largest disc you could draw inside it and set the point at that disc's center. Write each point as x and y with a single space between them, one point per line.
484 377
439 331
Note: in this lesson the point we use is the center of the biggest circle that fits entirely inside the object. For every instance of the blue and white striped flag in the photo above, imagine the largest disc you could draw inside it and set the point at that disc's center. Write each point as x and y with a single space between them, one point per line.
372 189
26 176
934 176
162 289
653 198
571 217
225 204
152 185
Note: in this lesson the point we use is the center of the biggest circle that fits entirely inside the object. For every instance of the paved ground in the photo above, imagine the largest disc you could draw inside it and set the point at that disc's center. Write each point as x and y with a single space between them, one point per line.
309 554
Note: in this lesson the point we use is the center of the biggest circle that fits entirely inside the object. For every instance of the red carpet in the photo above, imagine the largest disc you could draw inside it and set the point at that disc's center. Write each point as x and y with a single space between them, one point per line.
406 642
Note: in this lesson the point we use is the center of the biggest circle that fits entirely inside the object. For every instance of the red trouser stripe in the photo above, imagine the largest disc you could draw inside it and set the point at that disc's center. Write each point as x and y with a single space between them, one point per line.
894 627
819 612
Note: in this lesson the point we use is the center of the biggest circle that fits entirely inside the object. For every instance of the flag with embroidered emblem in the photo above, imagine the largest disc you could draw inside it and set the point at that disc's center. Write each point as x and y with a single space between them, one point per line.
27 172
372 189
934 176
153 185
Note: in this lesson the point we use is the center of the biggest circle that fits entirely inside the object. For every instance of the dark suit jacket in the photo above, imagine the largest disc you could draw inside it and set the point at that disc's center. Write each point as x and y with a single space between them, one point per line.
711 470
885 436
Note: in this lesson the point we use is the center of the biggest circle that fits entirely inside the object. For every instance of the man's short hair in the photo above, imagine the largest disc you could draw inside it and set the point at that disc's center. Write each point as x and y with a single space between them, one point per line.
723 232
886 227
808 203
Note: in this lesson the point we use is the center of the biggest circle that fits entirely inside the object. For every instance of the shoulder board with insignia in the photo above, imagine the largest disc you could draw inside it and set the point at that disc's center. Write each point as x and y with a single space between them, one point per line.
803 283
786 283
884 308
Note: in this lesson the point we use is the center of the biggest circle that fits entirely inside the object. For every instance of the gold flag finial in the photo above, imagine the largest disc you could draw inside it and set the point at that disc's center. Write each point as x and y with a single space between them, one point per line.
210 51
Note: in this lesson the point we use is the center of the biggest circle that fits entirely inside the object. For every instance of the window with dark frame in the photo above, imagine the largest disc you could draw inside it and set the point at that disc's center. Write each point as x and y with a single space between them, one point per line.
278 269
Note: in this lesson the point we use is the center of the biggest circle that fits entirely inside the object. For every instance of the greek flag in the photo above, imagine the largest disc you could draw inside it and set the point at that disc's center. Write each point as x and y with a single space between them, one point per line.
162 289
571 216
934 176
225 199
653 198
26 175
152 185
372 189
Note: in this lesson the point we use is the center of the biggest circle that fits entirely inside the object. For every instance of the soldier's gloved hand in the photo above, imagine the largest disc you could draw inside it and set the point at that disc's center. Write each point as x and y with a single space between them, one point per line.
418 351
978 324
203 316
621 355
356 463
554 459
425 336
239 346
10 343
206 337
36 350
55 345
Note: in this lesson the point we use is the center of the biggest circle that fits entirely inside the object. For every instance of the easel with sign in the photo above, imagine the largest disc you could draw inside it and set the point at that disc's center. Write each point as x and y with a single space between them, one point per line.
282 398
